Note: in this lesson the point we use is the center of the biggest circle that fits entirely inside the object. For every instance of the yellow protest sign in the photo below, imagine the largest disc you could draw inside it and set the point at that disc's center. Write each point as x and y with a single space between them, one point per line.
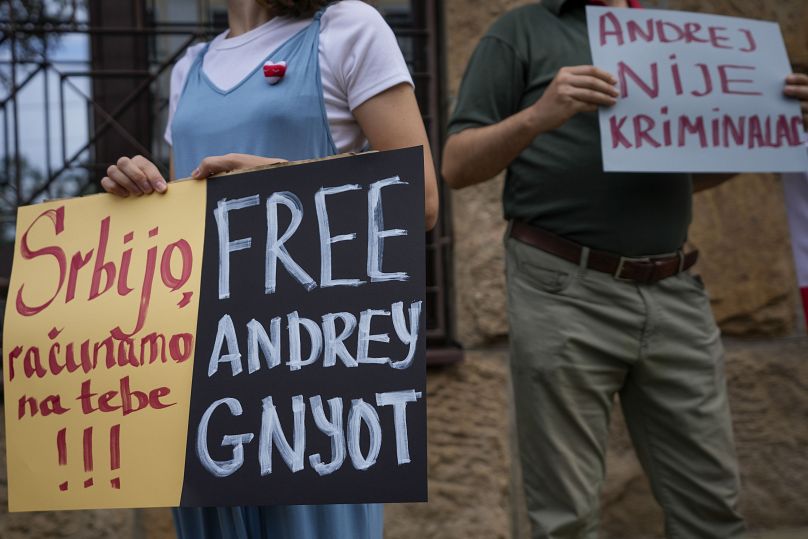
103 298
166 350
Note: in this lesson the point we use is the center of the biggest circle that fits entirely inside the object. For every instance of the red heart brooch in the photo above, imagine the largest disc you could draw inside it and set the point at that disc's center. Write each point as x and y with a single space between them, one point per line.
274 71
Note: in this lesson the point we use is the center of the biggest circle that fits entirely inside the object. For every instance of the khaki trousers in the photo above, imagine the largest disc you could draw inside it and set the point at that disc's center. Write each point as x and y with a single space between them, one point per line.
580 337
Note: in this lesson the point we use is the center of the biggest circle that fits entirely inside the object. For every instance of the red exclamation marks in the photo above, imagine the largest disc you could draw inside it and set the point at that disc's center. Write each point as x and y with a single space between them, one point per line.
115 454
88 455
87 442
61 449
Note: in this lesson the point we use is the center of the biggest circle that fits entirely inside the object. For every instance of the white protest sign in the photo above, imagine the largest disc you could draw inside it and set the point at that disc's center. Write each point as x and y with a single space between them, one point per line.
795 188
698 93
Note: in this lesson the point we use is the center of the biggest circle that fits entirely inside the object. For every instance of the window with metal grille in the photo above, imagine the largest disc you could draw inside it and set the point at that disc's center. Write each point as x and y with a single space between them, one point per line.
84 82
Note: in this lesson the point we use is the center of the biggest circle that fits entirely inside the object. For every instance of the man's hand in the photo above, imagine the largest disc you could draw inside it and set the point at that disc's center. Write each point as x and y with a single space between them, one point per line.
229 162
797 87
477 154
136 176
574 89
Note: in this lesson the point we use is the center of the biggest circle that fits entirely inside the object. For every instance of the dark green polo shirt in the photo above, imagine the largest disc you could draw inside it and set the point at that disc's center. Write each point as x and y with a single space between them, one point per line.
558 183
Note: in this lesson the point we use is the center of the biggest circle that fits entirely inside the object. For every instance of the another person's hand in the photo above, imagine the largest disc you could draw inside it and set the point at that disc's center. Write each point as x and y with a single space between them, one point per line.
575 89
229 162
797 87
136 176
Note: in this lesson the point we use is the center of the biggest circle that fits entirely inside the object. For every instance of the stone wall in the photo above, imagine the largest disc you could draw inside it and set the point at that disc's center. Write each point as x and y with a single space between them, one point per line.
469 459
767 383
741 231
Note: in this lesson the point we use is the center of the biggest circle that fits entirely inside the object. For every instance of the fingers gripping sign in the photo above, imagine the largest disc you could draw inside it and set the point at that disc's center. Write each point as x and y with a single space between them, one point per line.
231 161
576 89
797 87
136 176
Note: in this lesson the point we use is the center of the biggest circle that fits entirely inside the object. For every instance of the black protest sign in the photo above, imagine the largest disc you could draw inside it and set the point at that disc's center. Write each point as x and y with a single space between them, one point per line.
309 374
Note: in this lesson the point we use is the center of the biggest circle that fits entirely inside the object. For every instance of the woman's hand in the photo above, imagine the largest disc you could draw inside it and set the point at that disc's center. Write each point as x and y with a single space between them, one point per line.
229 162
136 176
797 87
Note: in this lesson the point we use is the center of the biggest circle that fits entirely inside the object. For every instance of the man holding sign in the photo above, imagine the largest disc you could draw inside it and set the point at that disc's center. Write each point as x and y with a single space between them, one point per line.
600 298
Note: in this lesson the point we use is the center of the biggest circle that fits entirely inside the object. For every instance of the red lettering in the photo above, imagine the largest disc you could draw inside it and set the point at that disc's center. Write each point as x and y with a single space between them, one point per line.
32 365
76 263
666 127
797 127
108 268
652 91
156 394
708 81
53 363
85 397
180 346
767 130
641 131
616 30
150 340
691 29
52 404
716 39
696 127
87 364
677 77
126 396
185 300
109 347
755 133
57 216
123 276
664 37
70 360
649 30
716 130
726 81
33 408
752 46
783 132
145 296
105 273
104 402
131 400
175 283
616 126
737 132
126 353
634 31
14 354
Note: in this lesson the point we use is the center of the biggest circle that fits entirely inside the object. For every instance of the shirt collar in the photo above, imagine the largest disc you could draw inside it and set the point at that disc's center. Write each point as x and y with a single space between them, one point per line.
555 6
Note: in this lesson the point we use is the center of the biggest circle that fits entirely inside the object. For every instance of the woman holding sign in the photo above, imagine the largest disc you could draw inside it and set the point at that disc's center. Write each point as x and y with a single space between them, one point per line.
254 89
288 80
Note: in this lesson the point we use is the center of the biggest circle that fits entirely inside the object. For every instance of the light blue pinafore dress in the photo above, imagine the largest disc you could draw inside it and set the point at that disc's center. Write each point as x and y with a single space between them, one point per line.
285 120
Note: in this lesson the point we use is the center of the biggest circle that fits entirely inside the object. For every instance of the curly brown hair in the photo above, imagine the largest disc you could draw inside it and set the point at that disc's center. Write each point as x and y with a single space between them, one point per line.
294 8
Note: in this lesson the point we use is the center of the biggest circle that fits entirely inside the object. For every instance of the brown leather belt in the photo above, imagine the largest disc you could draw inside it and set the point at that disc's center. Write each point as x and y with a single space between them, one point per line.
645 270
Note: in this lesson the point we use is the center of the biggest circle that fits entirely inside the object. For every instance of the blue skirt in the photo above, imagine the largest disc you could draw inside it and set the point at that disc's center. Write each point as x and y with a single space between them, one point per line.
355 521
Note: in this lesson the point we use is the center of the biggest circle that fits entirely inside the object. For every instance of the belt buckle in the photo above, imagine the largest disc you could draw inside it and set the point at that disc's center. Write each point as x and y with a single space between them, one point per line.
680 254
621 264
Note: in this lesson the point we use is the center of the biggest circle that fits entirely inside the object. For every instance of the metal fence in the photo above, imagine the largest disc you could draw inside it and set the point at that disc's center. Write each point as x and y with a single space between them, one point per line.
113 100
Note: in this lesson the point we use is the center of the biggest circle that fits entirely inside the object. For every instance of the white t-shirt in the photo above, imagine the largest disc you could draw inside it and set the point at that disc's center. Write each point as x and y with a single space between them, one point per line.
359 58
